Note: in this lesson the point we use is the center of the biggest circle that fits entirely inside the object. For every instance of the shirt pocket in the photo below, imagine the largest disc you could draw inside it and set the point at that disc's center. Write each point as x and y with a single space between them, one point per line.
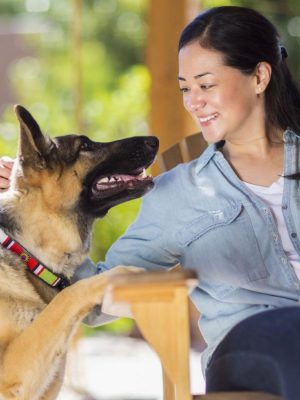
208 221
222 246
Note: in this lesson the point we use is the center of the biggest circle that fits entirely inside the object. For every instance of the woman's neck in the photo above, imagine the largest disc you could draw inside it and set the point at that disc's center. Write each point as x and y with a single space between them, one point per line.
259 161
259 147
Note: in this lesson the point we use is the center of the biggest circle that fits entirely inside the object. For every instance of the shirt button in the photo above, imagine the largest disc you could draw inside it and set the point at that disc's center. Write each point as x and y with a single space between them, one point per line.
294 235
275 237
284 207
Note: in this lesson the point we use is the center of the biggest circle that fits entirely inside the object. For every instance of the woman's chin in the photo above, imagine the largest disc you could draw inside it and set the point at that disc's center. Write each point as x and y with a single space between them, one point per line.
212 136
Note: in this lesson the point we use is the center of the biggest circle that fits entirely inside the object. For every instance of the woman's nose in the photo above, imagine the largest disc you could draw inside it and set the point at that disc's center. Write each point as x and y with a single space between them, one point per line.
194 102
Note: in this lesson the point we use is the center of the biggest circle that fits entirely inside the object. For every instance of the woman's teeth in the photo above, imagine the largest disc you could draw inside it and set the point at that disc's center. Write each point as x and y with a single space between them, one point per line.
208 118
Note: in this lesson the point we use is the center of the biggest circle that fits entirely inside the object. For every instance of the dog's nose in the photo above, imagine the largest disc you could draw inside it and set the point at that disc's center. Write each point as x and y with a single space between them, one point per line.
152 142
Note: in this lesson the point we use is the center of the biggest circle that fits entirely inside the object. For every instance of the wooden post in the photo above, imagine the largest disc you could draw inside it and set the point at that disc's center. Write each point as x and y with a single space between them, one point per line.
76 47
168 118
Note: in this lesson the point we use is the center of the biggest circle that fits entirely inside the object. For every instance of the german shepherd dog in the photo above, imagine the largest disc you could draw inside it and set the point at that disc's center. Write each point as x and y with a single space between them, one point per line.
58 187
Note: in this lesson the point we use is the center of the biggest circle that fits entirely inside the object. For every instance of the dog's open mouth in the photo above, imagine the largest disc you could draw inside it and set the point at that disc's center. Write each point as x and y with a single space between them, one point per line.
116 183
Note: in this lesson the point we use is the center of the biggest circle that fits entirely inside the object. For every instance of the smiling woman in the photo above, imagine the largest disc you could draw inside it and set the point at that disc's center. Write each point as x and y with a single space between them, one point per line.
211 214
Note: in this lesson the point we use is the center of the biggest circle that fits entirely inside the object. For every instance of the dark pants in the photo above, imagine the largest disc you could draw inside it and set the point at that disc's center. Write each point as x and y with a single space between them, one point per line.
261 353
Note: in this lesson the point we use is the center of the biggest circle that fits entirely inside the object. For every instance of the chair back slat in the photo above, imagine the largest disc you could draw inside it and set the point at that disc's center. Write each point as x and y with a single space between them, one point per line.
188 149
170 158
195 145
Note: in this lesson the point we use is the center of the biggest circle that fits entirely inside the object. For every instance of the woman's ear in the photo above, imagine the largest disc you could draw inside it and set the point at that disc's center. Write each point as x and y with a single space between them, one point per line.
263 73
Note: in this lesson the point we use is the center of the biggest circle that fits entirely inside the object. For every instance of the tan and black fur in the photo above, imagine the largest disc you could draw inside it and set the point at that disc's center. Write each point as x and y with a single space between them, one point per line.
54 198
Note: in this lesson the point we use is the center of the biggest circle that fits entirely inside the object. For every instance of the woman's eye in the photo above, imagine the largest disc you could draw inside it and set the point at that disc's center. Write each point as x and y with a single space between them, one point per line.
183 89
205 87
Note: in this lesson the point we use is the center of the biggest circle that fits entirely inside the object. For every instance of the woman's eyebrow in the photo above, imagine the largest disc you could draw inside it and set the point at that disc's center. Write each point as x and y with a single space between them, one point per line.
180 78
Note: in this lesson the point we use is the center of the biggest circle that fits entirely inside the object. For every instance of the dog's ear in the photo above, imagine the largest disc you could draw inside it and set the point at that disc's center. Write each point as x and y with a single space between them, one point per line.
33 145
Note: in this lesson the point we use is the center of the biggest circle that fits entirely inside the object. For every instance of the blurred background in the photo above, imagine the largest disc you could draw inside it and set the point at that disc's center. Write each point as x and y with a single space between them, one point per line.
107 68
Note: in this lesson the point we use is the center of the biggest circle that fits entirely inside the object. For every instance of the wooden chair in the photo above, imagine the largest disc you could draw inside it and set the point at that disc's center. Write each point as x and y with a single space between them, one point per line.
186 150
159 303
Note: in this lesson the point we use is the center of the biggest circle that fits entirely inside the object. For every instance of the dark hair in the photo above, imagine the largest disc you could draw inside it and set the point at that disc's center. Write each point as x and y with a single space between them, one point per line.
245 38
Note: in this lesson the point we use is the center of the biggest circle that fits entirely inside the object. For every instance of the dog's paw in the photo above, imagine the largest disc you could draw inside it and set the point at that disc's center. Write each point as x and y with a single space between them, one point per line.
91 290
11 392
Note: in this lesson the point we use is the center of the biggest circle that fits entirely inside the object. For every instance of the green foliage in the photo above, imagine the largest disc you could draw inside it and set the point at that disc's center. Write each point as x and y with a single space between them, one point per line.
119 326
218 3
112 226
115 86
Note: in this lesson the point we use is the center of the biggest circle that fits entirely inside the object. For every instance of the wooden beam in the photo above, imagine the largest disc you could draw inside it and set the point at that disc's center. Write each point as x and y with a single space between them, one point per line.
77 62
168 118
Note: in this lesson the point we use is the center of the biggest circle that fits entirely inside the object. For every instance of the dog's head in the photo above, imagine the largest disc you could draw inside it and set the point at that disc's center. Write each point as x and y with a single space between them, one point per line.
73 171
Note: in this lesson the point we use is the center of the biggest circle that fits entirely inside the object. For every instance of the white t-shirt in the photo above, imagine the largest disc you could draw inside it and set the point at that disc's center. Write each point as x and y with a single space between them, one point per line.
272 196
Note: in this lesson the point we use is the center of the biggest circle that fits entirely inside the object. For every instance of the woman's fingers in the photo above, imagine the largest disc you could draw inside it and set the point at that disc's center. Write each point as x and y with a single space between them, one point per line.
5 172
4 183
7 161
6 164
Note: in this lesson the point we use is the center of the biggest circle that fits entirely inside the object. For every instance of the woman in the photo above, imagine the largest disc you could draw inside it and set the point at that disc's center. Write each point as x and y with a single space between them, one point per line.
234 213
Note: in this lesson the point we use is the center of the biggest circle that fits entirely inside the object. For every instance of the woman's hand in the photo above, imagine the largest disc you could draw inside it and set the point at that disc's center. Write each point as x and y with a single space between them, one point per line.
6 164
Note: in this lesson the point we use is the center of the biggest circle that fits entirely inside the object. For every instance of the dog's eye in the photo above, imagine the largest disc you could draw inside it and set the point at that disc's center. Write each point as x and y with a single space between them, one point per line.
84 146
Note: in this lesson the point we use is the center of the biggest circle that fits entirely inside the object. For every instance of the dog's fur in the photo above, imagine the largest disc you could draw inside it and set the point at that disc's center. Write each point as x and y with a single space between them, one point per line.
54 197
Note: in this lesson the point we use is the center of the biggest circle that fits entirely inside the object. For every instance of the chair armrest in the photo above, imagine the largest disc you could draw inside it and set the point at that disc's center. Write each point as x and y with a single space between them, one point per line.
145 286
158 278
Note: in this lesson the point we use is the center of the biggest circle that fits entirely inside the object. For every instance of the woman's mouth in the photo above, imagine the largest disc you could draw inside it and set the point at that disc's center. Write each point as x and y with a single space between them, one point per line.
204 121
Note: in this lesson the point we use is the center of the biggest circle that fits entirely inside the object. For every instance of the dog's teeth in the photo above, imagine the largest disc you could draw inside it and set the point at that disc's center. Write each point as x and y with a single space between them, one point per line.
104 180
144 174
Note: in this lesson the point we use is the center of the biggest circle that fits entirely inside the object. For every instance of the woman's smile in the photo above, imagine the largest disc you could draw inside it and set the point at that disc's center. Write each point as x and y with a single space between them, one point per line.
207 119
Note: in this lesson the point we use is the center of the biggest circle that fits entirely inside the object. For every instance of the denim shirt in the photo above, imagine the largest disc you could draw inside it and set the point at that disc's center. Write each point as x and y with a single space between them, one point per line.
201 215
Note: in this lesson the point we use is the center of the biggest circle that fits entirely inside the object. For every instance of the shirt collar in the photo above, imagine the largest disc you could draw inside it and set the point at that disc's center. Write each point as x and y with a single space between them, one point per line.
289 136
206 156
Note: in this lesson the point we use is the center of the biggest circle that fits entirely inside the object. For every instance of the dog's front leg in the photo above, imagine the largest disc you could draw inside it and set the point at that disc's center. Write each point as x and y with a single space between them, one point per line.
32 358
54 388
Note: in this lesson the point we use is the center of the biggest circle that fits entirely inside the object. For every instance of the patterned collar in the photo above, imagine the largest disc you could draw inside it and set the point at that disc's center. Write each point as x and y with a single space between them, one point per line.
36 267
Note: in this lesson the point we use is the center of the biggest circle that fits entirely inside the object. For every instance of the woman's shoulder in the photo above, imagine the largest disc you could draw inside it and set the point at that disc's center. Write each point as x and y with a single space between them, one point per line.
174 175
184 170
179 179
173 188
